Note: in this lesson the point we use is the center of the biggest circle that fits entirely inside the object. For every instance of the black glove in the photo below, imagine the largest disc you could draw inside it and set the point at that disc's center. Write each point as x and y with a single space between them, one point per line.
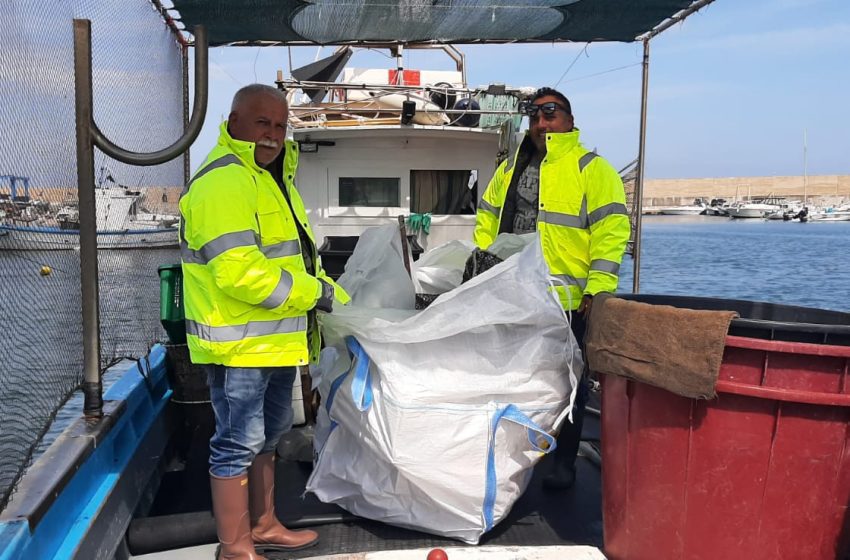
326 300
478 262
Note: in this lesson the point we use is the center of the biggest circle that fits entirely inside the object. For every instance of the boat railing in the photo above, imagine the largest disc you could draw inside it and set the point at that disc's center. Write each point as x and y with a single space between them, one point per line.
90 136
361 111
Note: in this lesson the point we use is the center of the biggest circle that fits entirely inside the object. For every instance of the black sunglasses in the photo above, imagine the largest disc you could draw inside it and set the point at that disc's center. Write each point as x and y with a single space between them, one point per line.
548 108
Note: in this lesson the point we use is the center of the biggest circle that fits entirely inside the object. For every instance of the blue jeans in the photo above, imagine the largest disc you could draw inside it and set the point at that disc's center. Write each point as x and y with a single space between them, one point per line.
253 409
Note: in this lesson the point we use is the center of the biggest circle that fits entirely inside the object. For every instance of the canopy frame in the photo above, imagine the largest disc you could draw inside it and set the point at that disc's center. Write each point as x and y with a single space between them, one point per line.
89 136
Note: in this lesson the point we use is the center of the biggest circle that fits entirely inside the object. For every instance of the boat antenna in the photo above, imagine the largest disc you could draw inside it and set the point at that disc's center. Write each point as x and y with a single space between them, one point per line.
101 177
289 50
805 165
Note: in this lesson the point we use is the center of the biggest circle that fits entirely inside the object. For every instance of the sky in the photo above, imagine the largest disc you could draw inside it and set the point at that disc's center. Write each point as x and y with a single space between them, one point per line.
37 90
733 90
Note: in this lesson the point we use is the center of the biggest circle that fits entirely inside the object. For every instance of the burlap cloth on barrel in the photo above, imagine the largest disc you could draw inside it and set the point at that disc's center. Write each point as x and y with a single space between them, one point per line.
679 350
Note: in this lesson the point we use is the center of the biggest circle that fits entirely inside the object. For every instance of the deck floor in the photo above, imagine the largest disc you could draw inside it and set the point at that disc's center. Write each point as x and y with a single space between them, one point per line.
538 518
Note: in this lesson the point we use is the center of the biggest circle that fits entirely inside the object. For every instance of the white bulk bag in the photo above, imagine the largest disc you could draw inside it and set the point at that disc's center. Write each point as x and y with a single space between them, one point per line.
433 420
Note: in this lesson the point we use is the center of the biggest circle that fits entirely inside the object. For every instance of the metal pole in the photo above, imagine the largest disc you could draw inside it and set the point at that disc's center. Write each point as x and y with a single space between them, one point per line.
677 18
187 164
805 171
640 168
199 110
399 63
92 387
88 136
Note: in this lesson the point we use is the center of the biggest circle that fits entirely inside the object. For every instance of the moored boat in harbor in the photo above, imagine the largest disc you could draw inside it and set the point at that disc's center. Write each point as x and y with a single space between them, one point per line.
698 207
121 224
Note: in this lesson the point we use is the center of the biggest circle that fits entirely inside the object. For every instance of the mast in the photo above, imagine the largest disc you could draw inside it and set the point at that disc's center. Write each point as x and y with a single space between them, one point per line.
805 171
638 197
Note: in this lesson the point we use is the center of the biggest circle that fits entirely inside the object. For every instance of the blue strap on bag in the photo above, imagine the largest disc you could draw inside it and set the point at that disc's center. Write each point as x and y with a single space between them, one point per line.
536 436
361 384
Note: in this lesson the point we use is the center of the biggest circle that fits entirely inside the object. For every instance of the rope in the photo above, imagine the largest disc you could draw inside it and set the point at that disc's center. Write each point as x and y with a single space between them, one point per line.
584 50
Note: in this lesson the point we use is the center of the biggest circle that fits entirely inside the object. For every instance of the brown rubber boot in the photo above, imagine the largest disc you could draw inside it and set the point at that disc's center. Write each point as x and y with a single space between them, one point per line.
232 523
267 532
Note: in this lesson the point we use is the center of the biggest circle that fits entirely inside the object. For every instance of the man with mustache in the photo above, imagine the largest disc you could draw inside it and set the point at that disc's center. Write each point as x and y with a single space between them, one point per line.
575 200
253 283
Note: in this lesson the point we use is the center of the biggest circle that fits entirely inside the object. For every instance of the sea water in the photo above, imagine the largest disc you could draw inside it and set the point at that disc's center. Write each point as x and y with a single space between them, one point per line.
791 263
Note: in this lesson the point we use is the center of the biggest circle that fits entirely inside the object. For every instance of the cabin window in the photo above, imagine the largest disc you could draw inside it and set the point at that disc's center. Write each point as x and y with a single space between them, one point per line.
443 192
370 191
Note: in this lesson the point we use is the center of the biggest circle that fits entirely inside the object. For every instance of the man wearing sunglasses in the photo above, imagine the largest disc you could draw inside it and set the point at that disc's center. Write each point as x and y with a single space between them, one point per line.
575 199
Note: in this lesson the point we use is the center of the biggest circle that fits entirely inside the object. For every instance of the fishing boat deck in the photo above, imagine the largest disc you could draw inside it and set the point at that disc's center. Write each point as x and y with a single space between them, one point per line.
539 518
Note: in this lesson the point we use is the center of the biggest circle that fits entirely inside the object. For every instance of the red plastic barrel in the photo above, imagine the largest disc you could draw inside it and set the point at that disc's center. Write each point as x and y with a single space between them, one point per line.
760 472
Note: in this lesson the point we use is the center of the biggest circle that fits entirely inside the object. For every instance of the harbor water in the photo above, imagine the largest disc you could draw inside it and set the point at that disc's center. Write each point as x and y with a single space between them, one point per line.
41 357
790 263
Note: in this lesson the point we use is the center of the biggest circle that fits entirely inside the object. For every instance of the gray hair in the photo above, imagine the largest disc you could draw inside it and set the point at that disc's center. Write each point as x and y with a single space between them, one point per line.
256 89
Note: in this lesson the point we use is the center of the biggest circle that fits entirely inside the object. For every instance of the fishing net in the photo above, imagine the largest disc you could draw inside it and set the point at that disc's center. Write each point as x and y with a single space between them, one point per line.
41 356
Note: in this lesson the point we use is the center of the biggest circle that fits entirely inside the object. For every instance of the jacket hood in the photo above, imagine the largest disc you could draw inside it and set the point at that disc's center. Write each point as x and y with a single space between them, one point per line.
244 150
559 143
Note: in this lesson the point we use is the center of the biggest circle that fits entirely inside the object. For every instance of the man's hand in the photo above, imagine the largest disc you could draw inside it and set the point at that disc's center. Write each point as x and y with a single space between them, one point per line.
326 300
584 306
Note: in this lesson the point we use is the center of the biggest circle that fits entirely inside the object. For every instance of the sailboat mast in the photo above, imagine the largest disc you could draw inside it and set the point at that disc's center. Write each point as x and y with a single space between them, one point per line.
805 170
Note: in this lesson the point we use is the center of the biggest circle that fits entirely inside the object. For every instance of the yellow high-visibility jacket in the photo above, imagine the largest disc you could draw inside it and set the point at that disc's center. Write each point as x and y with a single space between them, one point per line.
246 289
582 218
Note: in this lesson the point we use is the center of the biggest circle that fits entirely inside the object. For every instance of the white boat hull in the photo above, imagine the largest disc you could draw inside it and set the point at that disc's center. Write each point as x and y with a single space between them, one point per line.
683 211
747 213
831 217
17 238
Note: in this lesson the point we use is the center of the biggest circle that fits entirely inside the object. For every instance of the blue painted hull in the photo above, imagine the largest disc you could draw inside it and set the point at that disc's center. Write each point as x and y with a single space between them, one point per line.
77 500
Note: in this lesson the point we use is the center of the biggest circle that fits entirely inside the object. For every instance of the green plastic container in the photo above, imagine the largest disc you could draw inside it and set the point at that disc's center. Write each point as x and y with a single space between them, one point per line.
171 302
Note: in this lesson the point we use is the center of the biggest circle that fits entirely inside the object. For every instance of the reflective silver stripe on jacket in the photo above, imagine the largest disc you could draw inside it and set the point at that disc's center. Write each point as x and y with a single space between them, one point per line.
280 293
486 206
559 219
236 333
586 159
607 210
282 249
223 161
217 246
568 280
583 212
605 265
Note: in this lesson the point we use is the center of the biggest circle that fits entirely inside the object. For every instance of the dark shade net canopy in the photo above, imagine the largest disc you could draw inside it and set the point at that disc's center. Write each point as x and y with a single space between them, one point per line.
330 22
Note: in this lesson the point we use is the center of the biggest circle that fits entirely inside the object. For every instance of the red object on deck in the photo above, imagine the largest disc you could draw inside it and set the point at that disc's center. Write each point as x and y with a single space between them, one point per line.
760 472
437 554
